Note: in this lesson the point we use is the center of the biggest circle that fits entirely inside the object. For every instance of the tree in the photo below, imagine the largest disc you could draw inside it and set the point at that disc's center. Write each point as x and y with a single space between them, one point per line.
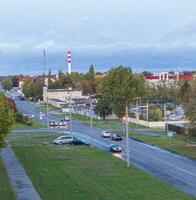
185 92
190 108
90 76
15 81
103 108
33 89
117 87
6 119
7 83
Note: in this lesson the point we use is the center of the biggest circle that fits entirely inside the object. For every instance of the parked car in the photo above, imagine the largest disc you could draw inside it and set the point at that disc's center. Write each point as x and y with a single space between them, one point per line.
65 139
115 148
116 137
67 119
77 141
106 134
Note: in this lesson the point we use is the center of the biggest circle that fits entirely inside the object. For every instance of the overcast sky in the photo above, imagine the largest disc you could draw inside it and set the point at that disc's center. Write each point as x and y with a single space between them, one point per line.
102 32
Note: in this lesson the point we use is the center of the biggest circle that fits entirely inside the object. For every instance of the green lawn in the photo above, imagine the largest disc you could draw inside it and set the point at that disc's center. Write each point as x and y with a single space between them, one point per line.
44 108
180 144
104 124
6 192
22 126
82 173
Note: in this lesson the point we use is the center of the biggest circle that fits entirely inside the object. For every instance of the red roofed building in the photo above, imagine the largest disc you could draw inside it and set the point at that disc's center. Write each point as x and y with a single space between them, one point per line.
167 77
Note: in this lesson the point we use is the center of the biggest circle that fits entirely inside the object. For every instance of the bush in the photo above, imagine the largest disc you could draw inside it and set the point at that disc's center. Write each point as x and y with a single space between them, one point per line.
22 119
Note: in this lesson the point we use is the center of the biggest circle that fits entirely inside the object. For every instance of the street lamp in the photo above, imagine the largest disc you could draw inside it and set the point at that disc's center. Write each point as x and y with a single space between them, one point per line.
70 115
91 124
127 134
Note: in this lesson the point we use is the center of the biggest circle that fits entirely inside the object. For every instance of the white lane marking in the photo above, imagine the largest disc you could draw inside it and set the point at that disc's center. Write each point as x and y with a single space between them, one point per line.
166 163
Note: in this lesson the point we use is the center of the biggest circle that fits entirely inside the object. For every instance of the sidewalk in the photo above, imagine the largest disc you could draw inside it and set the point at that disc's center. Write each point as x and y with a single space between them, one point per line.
21 183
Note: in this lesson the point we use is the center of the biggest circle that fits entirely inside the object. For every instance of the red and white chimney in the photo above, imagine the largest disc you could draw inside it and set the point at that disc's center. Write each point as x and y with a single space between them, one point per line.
69 61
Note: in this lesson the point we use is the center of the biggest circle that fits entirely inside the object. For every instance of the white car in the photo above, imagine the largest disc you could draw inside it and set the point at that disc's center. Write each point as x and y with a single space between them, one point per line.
65 139
67 119
106 134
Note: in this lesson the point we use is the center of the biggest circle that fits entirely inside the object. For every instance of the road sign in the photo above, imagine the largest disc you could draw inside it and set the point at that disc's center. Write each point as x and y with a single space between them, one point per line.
170 134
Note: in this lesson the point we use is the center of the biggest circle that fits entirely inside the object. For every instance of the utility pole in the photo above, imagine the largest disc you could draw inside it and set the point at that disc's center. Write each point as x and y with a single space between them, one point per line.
127 135
91 127
70 115
44 52
147 112
165 113
47 114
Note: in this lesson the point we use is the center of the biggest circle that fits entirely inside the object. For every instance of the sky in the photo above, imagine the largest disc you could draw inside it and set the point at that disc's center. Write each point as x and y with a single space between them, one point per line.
144 35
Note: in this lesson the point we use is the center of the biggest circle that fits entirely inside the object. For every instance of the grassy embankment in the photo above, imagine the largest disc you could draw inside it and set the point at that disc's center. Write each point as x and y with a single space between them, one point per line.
22 126
68 172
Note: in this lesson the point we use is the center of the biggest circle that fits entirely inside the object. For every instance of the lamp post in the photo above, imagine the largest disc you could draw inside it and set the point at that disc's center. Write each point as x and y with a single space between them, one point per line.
70 115
47 114
91 125
127 134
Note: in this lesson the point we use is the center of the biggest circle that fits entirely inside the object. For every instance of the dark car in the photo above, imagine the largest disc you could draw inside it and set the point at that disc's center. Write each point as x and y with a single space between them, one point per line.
77 141
53 124
115 148
116 137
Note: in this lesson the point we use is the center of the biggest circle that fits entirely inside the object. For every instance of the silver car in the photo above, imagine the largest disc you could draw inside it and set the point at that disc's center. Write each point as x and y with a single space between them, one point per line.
65 139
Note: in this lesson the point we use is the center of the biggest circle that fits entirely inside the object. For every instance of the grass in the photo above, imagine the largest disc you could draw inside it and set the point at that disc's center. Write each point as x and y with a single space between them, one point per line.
181 144
6 192
22 126
104 124
68 172
44 108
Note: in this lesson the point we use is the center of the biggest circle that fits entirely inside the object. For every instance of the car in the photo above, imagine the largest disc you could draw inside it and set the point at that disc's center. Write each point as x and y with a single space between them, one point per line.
116 137
106 134
30 116
53 124
65 139
114 148
67 119
77 141
62 123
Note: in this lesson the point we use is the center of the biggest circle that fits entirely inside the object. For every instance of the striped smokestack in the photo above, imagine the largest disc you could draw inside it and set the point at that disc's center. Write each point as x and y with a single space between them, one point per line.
69 61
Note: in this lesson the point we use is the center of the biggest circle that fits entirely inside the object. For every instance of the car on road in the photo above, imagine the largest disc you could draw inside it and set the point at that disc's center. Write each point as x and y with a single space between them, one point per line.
116 137
67 119
30 116
65 139
106 134
62 123
53 123
77 141
114 148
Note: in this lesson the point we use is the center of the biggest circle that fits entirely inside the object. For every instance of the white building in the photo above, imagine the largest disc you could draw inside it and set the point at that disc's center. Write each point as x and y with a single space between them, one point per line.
61 94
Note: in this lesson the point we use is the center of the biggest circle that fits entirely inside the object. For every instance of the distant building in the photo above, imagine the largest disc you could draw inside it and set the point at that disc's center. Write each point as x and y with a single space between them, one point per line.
61 94
167 77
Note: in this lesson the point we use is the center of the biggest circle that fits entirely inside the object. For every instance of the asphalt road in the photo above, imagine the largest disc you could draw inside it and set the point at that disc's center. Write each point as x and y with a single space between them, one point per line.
174 169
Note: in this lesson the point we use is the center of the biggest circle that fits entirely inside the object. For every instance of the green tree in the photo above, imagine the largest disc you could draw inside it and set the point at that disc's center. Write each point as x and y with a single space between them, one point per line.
118 86
7 83
185 92
190 108
6 119
103 108
90 76
33 89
